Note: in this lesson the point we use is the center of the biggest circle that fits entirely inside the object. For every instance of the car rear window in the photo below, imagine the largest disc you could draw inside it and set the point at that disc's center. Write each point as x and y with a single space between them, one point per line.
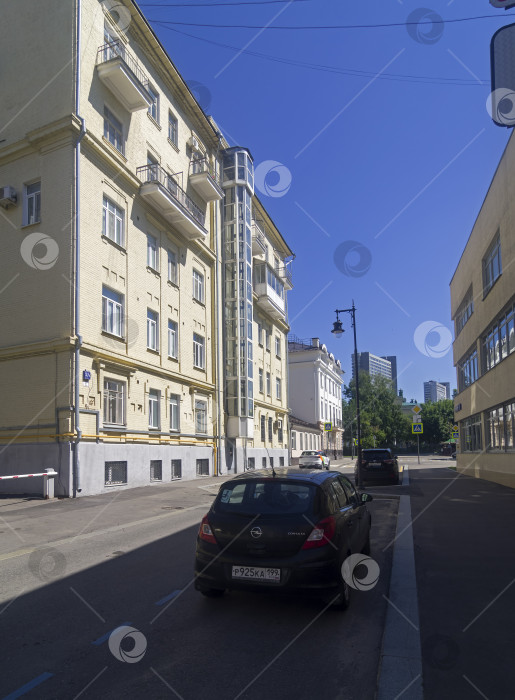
309 453
376 454
266 496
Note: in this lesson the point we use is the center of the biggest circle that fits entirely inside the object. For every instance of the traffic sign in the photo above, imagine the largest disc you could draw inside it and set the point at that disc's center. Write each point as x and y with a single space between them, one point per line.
417 428
455 428
455 435
501 102
417 419
416 409
328 427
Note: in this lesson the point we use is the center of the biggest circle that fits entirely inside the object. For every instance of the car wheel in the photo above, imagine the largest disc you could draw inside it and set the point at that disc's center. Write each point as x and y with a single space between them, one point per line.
342 601
366 548
212 592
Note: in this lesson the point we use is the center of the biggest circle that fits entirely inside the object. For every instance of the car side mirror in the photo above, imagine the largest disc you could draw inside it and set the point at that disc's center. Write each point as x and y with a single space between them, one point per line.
366 497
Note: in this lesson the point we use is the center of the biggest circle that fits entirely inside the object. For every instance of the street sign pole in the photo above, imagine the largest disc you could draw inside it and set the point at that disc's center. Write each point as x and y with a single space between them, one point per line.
418 447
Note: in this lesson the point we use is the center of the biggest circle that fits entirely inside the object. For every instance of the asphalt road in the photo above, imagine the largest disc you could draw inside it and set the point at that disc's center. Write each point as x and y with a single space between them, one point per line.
72 572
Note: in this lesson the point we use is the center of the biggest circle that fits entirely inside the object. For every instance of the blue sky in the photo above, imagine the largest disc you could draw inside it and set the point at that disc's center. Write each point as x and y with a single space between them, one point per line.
375 182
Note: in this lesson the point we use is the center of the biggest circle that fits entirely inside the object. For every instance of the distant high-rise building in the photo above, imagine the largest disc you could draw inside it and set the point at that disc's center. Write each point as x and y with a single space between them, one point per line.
377 366
435 391
447 386
392 359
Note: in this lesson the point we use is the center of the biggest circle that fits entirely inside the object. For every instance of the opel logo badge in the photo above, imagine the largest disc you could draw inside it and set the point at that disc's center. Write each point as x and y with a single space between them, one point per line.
256 532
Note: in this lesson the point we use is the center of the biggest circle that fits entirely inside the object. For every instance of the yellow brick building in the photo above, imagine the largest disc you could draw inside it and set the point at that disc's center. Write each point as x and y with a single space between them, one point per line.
113 296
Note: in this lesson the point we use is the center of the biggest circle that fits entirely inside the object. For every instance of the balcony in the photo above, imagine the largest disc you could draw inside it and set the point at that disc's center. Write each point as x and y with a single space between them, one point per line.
258 239
270 292
171 201
286 276
204 180
120 72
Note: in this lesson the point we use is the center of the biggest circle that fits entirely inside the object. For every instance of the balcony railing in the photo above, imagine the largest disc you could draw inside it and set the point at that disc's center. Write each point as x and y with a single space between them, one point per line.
202 165
258 239
285 274
157 174
204 180
122 74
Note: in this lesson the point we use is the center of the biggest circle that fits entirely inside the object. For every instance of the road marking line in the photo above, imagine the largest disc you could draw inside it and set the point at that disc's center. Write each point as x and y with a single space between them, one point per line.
105 637
168 597
28 686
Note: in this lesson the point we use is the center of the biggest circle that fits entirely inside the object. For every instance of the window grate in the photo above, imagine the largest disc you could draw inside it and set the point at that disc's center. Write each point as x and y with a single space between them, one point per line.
202 467
156 470
115 473
176 469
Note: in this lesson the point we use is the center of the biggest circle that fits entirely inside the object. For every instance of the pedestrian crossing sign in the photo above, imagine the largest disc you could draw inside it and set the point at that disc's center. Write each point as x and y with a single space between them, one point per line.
417 428
328 427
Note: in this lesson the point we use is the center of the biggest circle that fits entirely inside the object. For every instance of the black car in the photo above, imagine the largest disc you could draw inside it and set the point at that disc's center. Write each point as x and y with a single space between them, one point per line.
378 464
286 529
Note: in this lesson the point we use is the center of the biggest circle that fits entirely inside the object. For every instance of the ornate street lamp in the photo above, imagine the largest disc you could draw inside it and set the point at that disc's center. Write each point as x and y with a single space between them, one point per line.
338 331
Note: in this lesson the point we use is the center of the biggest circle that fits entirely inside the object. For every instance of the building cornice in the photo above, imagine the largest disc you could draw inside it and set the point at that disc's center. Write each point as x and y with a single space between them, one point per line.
43 347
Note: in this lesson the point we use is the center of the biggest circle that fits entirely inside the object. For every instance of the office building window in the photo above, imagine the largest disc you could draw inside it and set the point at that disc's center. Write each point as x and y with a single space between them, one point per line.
115 473
499 341
270 430
152 252
153 110
154 418
113 219
471 438
263 429
152 330
32 204
173 129
467 370
113 130
492 265
198 351
172 267
465 311
114 402
172 339
176 469
112 312
156 470
198 286
200 416
174 412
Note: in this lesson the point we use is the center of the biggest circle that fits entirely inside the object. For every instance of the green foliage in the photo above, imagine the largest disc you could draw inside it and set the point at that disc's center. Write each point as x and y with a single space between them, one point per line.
438 419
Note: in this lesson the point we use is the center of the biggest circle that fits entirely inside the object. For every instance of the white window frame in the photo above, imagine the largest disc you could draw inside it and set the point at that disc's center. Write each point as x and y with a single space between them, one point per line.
268 384
114 391
112 312
200 416
153 108
278 388
154 409
173 128
32 203
152 330
152 252
198 285
199 355
172 267
113 130
173 344
175 406
261 384
113 222
277 346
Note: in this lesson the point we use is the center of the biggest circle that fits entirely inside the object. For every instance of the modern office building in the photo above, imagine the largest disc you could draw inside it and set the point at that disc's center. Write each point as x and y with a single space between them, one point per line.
377 366
315 389
483 310
132 275
435 391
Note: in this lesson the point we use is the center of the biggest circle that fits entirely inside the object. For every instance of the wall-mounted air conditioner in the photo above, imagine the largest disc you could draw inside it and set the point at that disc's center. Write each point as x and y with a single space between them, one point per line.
7 197
194 143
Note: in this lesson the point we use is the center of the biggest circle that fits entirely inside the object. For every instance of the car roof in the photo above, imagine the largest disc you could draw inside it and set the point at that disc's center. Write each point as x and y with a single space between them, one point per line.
292 473
377 449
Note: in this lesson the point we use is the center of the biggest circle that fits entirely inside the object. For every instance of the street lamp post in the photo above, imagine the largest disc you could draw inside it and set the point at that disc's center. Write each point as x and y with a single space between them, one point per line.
338 330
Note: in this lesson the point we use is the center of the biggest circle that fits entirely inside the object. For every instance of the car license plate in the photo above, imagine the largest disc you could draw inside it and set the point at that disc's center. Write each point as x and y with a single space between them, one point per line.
256 573
375 464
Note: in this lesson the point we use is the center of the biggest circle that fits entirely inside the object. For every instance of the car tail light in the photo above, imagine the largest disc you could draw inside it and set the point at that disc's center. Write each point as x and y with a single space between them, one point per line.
321 534
388 461
205 533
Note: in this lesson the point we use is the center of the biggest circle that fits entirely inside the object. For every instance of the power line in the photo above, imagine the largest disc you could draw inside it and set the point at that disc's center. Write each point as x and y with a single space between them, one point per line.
334 69
335 26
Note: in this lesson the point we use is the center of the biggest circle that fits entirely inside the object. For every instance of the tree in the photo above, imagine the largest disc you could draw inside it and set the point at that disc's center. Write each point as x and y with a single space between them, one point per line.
437 418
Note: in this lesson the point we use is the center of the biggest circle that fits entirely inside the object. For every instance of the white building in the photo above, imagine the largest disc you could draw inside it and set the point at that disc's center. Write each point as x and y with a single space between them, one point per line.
435 391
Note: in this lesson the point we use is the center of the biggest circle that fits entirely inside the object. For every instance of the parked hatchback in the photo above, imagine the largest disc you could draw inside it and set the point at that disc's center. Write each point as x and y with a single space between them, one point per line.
284 530
378 464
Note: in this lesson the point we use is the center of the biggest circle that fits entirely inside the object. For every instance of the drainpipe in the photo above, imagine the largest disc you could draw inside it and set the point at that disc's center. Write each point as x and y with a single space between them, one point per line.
78 343
219 377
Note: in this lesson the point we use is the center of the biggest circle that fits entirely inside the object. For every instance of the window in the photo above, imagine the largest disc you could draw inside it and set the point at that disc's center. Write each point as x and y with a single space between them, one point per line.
174 412
263 462
152 330
172 267
268 336
113 130
152 252
492 265
251 463
499 341
293 440
173 129
198 351
278 392
301 441
200 416
465 311
202 467
176 469
113 222
156 470
281 461
153 408
260 333
268 384
172 339
277 346
114 403
115 473
260 376
494 425
112 312
32 204
153 110
263 429
271 462
471 440
467 370
198 286
270 430
280 430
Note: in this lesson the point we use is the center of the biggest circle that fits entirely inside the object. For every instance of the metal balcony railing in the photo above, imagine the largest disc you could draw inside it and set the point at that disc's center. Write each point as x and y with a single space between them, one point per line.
155 173
258 234
202 165
116 49
285 274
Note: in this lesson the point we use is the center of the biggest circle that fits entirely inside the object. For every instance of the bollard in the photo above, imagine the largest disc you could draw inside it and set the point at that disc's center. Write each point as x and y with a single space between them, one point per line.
48 484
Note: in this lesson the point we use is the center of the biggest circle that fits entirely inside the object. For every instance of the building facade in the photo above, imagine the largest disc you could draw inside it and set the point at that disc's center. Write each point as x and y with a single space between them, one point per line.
128 261
483 310
435 391
315 394
377 366
304 436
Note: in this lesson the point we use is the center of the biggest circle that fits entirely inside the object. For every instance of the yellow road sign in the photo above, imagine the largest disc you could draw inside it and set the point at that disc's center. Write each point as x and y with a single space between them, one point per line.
417 428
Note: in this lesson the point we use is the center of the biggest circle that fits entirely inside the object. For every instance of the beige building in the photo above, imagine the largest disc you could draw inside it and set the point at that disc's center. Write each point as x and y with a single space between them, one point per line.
483 310
304 436
113 309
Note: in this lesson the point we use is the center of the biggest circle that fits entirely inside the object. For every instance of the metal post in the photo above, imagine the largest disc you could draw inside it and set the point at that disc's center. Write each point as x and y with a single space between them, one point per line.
48 484
418 447
358 417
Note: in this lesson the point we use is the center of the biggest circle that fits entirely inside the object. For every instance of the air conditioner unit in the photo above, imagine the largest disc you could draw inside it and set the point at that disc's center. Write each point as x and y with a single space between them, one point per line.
7 196
194 143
